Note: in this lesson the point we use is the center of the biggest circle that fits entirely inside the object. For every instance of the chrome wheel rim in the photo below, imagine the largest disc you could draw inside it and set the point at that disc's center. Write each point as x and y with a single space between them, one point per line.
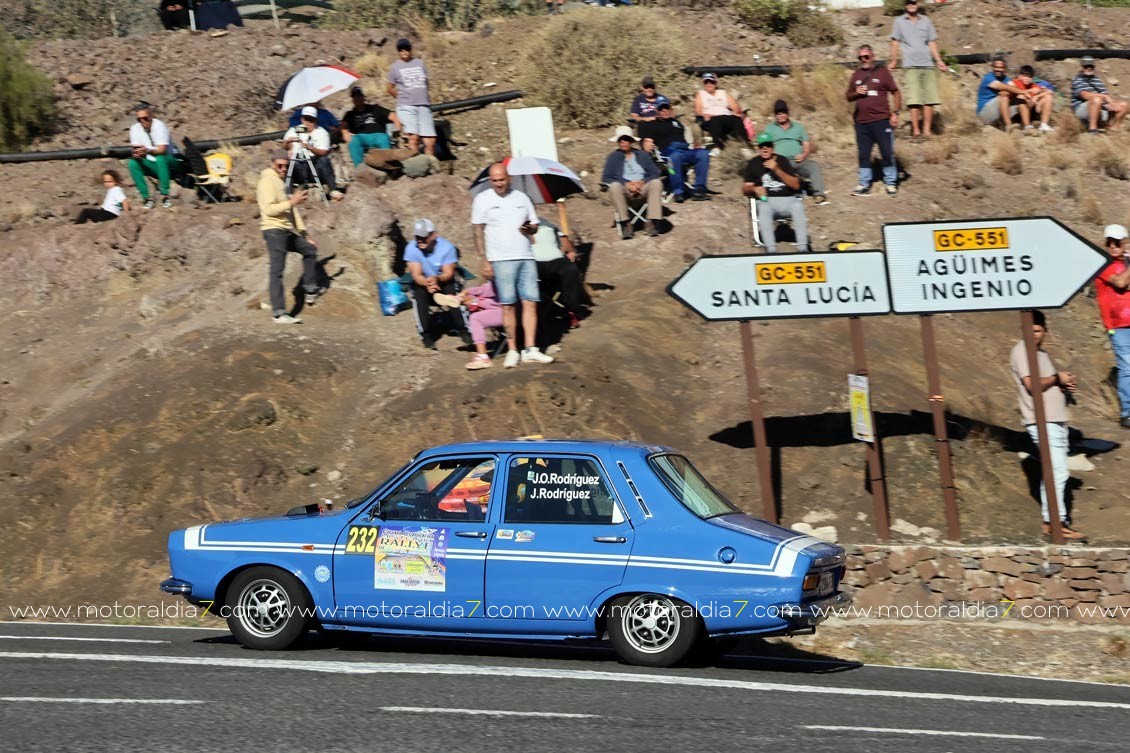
651 623
264 608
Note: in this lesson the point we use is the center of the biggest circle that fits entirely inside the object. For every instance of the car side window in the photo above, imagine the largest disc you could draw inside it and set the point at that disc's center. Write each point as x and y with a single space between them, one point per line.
550 489
451 489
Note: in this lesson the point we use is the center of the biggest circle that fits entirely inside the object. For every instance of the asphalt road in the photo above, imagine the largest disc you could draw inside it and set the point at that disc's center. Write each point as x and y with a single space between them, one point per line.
82 688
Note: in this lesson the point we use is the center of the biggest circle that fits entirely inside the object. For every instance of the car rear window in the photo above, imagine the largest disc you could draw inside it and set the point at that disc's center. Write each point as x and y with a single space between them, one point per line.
688 486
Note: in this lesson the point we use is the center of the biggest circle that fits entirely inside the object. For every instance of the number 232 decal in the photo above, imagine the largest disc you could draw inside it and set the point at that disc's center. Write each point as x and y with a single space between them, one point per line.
362 540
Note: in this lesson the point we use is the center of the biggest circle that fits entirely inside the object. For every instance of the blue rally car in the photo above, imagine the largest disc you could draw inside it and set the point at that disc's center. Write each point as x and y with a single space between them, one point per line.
526 539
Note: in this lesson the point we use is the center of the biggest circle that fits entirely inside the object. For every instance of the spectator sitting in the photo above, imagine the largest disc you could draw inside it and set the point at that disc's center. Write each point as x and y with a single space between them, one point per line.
646 104
631 174
790 140
1090 100
486 312
366 126
326 119
1033 98
997 99
720 113
174 14
112 206
310 143
558 271
672 141
153 156
774 183
431 261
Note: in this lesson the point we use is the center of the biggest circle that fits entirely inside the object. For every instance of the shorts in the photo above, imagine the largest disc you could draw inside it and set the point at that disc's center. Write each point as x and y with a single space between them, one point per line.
417 120
920 87
990 112
1082 114
516 279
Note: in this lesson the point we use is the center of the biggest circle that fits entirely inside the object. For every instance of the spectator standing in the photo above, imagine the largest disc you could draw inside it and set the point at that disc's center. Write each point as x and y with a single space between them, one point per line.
1112 290
1053 386
872 90
152 156
408 82
113 204
1091 101
1033 98
366 126
632 174
672 139
431 262
558 270
914 34
504 221
645 107
774 185
997 98
720 113
309 143
791 141
285 232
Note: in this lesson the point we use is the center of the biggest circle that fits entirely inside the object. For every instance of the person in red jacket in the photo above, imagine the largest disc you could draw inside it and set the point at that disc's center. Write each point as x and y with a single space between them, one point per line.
1112 289
873 90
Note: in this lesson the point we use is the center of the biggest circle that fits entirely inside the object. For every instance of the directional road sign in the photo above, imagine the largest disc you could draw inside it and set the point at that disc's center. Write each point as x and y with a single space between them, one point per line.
785 286
986 265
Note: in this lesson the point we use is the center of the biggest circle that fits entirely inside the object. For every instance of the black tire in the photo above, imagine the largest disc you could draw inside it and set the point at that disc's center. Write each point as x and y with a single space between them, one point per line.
652 630
268 608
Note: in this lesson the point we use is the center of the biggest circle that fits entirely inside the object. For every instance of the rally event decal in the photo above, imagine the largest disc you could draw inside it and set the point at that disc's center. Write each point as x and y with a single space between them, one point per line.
411 558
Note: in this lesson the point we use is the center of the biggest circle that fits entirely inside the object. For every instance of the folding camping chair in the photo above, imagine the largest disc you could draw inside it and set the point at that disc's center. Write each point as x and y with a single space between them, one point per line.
210 176
780 221
637 213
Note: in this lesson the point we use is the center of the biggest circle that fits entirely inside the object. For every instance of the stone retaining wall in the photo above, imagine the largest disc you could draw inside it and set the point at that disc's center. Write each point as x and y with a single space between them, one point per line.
1073 583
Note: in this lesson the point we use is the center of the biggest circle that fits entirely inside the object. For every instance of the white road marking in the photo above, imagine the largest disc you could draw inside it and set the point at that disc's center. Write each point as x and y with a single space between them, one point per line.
540 673
70 638
109 625
486 712
933 732
107 701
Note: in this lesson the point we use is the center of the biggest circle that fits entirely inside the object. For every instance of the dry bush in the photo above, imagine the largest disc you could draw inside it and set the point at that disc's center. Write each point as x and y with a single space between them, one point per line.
814 27
730 162
1002 153
805 23
1108 159
1067 127
588 69
821 89
1089 208
443 14
958 118
27 107
938 150
372 65
83 19
1060 159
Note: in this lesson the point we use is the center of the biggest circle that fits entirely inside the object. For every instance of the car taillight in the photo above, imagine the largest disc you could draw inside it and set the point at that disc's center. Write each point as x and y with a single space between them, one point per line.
811 582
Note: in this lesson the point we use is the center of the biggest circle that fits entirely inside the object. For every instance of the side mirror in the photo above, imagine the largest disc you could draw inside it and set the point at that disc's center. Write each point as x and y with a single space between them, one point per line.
375 512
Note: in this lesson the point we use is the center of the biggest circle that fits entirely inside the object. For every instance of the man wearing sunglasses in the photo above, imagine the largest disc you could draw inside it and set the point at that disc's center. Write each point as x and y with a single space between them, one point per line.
873 90
152 156
1112 290
1090 100
285 232
431 261
645 107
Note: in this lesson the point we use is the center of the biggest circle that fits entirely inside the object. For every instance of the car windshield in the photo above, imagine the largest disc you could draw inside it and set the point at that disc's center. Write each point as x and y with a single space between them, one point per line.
689 487
369 494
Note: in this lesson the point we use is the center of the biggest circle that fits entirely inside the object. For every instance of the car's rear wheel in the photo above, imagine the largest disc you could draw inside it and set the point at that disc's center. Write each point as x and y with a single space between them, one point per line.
268 608
652 630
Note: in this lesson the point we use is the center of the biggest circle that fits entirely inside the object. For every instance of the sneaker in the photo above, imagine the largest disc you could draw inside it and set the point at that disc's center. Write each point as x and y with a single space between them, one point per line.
480 361
1094 132
512 359
700 195
533 355
1045 128
892 190
428 341
1068 533
1029 128
447 301
628 233
715 152
861 190
149 204
820 199
312 296
287 319
167 203
336 195
680 198
649 229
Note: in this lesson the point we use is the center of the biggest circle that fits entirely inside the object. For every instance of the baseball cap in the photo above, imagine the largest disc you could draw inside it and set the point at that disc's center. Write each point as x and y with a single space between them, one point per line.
423 228
1086 60
647 81
403 44
764 138
664 105
357 90
309 112
709 77
780 106
1118 232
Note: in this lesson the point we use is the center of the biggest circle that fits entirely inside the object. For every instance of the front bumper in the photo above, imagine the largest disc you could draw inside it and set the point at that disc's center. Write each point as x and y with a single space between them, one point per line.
811 614
177 586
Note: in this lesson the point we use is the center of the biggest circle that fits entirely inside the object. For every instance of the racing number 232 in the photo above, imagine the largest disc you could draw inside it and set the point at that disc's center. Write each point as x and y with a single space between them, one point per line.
362 540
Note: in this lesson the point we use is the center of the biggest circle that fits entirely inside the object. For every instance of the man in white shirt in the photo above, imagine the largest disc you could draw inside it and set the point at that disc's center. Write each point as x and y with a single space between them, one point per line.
310 143
504 221
153 153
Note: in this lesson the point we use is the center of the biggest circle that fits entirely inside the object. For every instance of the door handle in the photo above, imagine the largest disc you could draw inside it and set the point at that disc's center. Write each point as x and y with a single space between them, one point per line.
472 534
609 539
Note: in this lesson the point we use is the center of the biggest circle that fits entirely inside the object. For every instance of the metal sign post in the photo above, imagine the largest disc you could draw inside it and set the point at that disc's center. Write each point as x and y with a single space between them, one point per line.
1027 321
782 286
875 476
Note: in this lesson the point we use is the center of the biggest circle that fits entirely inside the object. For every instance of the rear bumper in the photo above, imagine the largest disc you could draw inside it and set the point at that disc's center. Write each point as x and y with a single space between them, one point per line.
176 586
801 616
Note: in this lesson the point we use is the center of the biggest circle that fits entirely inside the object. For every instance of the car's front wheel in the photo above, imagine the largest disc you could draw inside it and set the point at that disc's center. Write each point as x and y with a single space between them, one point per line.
269 609
652 630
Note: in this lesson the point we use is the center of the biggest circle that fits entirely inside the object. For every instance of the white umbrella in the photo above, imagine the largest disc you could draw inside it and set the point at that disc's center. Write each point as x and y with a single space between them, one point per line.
312 84
543 180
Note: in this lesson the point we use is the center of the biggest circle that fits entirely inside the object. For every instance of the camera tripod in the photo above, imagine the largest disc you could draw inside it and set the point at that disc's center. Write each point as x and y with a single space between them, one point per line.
302 154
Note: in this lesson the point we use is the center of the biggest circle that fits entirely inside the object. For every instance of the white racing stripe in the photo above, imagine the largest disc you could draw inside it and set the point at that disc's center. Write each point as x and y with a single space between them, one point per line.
71 638
929 732
104 701
541 673
486 712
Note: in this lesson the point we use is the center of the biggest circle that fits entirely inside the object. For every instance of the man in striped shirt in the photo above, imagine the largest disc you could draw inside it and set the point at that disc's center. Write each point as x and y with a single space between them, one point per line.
1090 100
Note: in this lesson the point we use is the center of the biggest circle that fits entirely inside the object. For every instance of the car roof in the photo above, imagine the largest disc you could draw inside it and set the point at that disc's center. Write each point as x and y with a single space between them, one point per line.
526 446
